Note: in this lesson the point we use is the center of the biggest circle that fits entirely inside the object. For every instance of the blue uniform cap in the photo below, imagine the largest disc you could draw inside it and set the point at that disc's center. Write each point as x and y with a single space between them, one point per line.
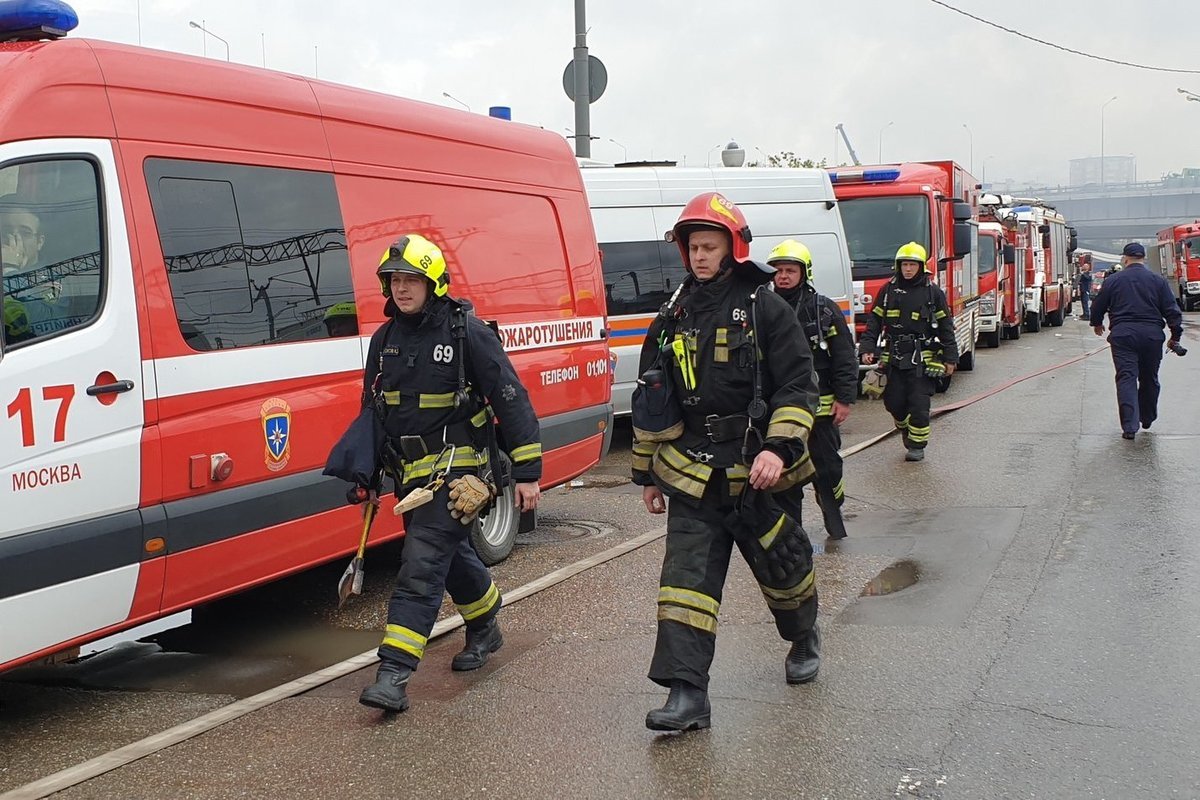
1134 250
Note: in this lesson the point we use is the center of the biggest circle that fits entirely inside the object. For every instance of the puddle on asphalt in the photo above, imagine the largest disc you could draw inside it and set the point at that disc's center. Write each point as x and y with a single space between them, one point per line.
898 576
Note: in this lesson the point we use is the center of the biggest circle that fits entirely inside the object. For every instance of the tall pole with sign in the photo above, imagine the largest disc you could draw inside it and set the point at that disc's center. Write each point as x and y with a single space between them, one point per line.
584 80
583 97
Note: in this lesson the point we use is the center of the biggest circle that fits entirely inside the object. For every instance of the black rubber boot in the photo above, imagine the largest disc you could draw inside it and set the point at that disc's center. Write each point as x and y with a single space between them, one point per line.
804 659
390 690
835 526
914 454
481 643
686 709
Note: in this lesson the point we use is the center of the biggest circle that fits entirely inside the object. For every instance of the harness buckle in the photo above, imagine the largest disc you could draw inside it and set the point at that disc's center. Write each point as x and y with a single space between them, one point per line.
701 458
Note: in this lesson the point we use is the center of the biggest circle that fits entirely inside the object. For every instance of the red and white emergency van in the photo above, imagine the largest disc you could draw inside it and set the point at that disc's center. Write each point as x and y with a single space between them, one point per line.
1179 260
931 203
633 206
177 230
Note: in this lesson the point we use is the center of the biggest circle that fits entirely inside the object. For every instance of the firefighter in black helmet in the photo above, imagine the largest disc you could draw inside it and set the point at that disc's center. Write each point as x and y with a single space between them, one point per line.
739 405
829 338
436 375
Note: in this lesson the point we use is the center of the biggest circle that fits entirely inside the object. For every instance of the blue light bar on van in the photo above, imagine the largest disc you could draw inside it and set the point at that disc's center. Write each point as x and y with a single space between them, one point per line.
32 20
865 176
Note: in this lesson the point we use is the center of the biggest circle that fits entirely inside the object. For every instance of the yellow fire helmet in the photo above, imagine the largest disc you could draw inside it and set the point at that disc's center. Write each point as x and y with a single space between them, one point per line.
340 310
791 250
912 252
415 255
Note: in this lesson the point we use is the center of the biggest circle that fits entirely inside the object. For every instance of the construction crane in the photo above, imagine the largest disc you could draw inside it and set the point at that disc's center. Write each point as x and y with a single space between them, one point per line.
850 147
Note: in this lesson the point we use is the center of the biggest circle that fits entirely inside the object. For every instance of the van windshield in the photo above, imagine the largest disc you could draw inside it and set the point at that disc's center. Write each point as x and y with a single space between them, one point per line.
876 227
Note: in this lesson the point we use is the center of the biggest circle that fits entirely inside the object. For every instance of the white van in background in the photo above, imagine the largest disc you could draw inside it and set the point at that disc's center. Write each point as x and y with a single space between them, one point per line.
633 207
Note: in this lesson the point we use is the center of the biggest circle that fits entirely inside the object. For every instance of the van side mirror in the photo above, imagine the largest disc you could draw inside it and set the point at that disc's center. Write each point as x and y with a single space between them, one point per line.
964 237
1010 254
962 212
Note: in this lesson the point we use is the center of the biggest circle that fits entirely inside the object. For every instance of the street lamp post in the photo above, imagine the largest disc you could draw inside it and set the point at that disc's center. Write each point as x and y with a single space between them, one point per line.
624 149
708 158
983 178
455 99
971 138
200 26
1102 107
881 130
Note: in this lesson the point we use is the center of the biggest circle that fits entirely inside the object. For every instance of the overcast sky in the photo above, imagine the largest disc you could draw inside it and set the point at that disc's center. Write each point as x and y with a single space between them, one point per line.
773 74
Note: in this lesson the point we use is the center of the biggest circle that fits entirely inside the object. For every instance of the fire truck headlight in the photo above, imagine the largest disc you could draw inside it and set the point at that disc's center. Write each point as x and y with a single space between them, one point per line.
987 305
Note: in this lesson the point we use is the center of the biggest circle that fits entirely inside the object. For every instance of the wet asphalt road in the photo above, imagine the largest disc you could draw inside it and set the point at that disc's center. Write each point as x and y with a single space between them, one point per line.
1047 647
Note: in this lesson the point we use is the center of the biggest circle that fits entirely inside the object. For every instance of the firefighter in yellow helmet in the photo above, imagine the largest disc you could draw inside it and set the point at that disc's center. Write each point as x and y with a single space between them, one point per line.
910 332
341 319
836 368
720 428
436 375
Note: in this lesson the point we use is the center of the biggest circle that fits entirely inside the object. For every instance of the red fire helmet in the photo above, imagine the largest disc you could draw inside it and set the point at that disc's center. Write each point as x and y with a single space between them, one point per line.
712 210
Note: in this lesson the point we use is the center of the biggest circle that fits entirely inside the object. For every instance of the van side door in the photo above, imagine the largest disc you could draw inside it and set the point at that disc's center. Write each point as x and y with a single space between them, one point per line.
72 391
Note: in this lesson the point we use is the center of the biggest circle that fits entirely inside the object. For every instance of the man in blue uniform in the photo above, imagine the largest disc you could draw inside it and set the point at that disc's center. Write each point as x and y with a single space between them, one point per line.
1138 303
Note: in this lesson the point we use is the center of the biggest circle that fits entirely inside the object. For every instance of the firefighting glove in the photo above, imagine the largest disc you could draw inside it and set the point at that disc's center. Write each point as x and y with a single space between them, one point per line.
469 495
935 369
357 494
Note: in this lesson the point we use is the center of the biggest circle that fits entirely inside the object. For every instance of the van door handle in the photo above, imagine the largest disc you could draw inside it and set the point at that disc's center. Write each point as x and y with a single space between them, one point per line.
116 387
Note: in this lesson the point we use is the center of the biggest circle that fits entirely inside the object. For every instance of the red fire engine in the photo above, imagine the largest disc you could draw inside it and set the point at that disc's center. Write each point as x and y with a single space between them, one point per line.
1179 260
931 203
1042 244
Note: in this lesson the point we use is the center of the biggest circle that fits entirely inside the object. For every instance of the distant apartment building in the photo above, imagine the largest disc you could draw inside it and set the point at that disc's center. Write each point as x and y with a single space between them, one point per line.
1117 170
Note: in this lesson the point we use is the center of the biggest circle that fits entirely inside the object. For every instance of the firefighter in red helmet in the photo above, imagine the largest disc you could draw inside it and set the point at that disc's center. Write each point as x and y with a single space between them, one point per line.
721 420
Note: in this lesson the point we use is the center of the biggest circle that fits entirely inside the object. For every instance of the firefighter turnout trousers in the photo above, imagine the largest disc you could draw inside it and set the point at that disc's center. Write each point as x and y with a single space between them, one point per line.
906 397
437 557
699 546
823 444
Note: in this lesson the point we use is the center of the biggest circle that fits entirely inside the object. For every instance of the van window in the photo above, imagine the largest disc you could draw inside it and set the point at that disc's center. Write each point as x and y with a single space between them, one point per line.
254 255
640 276
53 266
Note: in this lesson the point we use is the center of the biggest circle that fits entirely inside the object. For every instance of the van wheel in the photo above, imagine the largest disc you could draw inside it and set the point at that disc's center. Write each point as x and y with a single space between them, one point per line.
493 536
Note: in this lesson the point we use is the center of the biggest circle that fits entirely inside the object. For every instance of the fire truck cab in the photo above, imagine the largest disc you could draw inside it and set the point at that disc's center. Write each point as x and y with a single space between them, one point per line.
931 203
1179 259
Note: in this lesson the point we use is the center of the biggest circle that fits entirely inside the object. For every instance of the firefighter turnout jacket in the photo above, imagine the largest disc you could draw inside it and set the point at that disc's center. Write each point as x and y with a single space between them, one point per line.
832 346
910 326
413 372
708 341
